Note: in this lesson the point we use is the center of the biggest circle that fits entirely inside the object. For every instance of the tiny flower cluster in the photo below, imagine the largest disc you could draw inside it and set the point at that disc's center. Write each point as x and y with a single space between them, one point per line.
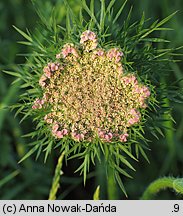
58 133
48 72
88 40
67 49
38 104
135 117
89 94
115 54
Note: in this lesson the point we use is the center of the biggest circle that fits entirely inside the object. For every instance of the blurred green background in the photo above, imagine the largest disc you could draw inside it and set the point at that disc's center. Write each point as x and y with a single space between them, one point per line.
32 178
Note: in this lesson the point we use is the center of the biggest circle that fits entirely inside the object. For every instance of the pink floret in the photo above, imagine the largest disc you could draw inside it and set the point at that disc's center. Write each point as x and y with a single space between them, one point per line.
123 137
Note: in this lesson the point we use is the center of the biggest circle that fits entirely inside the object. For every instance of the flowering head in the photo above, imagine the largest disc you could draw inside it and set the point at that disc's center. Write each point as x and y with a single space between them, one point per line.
89 93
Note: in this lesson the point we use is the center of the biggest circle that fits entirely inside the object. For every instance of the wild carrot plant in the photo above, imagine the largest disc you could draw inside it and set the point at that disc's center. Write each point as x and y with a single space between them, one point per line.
95 88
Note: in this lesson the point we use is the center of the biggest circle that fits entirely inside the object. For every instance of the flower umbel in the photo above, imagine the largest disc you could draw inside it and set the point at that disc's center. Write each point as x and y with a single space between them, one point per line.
89 94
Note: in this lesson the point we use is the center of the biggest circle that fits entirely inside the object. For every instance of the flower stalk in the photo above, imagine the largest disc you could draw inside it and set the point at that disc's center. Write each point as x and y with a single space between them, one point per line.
56 179
161 184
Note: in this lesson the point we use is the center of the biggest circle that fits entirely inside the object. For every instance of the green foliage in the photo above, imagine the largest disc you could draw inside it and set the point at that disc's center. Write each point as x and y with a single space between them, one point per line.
140 56
8 178
161 184
96 195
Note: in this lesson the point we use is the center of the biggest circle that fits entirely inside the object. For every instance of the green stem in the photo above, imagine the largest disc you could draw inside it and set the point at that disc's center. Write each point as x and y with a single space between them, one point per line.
167 182
169 136
56 179
111 186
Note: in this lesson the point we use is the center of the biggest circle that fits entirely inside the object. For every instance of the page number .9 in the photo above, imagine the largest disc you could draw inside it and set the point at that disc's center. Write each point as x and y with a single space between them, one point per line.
176 208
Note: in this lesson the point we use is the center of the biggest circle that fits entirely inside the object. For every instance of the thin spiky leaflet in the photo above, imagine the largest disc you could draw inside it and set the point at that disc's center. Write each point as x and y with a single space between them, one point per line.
140 60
